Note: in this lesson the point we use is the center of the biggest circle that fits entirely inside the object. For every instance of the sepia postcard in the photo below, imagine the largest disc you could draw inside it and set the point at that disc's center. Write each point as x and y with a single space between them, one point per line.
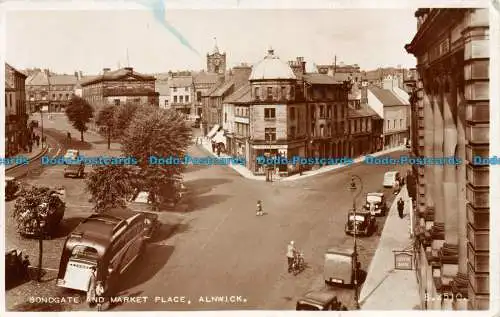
165 157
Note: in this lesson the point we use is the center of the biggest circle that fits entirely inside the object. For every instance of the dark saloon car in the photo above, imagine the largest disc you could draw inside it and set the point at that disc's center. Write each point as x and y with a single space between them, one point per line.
361 223
318 300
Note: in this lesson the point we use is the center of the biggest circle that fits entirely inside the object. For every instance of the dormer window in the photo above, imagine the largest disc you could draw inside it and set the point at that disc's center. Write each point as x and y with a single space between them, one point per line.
269 92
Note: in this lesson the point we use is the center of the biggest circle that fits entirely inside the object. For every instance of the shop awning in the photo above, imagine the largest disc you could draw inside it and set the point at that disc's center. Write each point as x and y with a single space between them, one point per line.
219 137
213 131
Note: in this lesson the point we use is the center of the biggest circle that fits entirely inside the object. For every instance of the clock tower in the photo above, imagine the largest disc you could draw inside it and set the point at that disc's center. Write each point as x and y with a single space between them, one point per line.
216 62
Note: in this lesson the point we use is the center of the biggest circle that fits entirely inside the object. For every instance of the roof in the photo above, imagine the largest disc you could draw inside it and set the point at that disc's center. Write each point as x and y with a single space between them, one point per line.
386 97
271 67
242 95
181 81
85 79
117 74
16 70
63 80
205 78
222 88
318 297
363 111
320 79
37 79
162 87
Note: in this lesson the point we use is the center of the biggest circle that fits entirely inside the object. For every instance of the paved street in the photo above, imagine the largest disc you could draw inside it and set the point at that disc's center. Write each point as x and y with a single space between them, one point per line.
220 248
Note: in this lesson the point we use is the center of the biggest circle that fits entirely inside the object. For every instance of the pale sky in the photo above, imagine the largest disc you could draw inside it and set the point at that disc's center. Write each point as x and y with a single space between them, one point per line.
66 41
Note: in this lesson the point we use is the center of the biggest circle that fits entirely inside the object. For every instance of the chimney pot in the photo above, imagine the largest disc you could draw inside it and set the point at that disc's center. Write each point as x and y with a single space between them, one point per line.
105 70
129 69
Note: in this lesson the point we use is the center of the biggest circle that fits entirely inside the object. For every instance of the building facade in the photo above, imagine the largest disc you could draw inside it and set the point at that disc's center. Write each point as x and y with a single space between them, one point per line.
216 62
50 92
181 93
451 110
120 87
16 115
203 82
395 112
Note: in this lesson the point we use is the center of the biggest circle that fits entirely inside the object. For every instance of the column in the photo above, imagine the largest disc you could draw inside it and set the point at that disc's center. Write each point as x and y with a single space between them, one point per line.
449 178
429 146
461 176
438 150
476 76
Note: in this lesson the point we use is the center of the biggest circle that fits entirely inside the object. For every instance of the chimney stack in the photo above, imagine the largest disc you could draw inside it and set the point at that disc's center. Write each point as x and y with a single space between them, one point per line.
105 70
129 69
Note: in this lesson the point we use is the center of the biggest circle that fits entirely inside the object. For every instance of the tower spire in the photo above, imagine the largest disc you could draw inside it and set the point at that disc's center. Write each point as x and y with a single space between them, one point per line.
216 48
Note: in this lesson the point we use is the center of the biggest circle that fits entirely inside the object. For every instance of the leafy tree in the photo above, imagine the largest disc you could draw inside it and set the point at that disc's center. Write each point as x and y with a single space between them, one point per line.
123 117
106 119
110 185
161 133
38 211
79 113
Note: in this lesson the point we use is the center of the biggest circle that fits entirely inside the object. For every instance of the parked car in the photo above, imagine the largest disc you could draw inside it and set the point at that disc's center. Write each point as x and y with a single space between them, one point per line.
75 169
361 223
376 204
11 188
196 123
16 267
390 178
318 300
141 202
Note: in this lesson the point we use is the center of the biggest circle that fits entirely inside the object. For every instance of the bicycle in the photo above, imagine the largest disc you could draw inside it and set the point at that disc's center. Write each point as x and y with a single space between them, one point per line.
298 264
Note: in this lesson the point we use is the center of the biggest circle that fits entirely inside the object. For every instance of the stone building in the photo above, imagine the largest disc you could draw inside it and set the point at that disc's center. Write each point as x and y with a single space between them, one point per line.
49 92
181 93
216 62
16 116
120 87
451 108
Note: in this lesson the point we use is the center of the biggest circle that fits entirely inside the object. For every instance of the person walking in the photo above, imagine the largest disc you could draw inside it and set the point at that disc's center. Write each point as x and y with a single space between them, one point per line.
91 292
259 208
290 255
401 207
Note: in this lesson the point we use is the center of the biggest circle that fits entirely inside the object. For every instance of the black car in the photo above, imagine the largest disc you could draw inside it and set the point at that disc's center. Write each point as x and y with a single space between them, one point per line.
361 223
318 300
16 268
11 188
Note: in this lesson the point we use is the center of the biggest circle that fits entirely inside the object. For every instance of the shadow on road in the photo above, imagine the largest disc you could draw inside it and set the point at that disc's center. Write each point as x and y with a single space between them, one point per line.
194 168
167 230
66 226
206 201
155 257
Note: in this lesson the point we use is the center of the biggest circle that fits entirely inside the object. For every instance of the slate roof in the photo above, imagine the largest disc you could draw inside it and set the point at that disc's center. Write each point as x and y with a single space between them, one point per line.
321 79
364 111
386 97
222 88
242 95
181 81
37 79
163 87
205 78
63 80
117 74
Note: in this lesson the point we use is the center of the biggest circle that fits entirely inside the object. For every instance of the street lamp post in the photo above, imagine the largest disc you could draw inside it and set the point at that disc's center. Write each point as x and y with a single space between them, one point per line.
41 226
269 175
353 189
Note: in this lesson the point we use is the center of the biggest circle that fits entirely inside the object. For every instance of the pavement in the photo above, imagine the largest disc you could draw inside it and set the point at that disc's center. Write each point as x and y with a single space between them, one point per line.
245 172
386 288
219 248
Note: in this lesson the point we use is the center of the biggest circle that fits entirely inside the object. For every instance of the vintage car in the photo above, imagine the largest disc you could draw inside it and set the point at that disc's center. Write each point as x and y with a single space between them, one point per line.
376 204
11 188
361 223
318 300
140 200
76 169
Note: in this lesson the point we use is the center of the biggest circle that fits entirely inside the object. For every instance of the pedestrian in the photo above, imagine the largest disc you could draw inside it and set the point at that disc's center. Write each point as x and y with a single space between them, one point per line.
290 255
26 263
396 186
37 138
91 291
401 207
259 208
69 136
213 146
218 150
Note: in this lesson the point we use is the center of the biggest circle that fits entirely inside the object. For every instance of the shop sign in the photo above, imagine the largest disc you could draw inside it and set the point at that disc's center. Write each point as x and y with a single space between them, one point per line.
403 260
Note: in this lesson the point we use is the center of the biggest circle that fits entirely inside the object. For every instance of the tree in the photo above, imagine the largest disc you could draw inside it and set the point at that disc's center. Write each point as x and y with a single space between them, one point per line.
37 212
110 185
123 117
106 119
161 133
79 113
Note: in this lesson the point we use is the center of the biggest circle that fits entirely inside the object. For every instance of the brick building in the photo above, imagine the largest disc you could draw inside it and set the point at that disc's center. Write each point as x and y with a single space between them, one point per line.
451 109
49 92
16 116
